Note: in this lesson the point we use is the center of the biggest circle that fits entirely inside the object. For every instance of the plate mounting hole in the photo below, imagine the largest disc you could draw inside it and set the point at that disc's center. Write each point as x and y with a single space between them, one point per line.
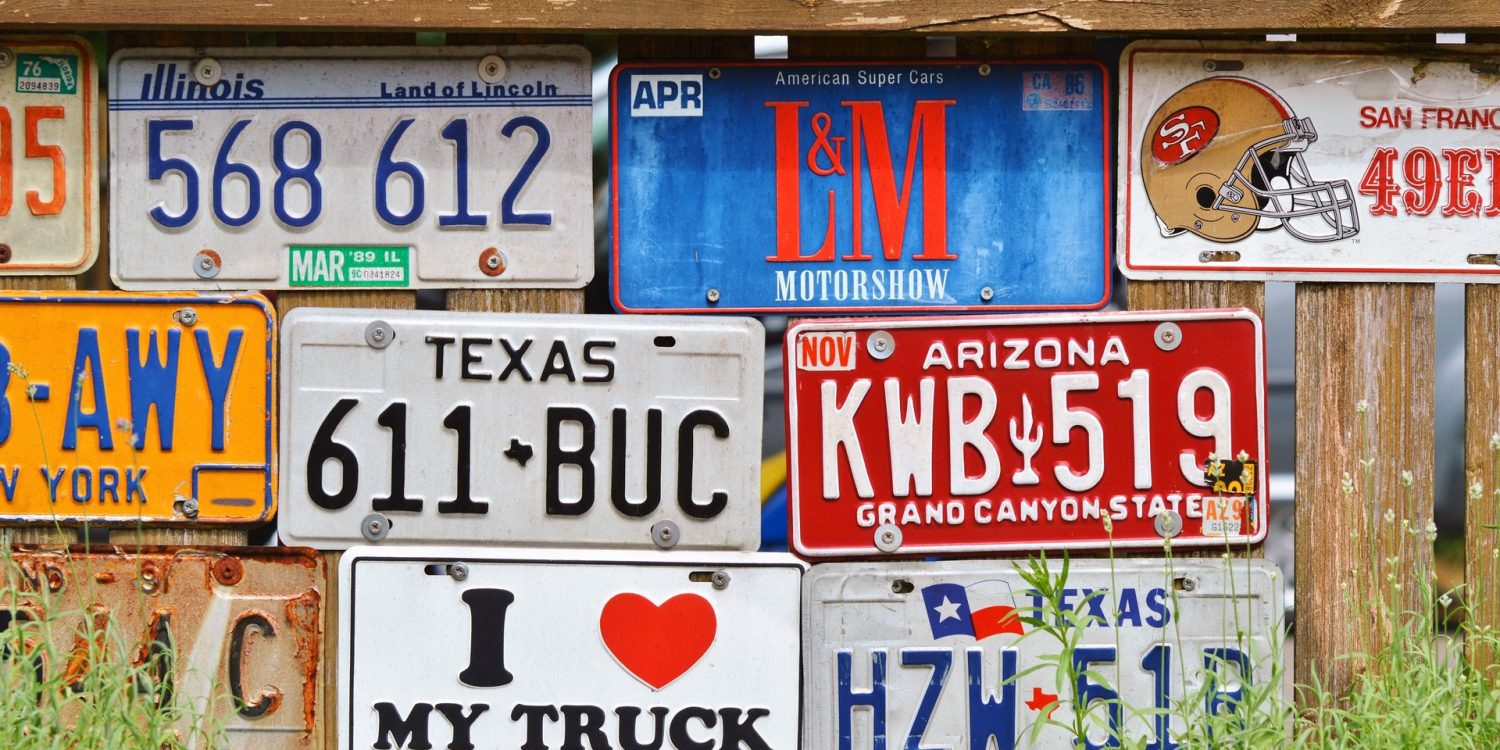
701 576
665 342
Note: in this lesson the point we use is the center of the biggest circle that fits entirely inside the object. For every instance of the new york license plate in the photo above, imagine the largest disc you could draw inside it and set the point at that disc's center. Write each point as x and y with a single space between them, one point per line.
489 648
929 655
124 408
351 167
521 429
49 154
244 626
1310 162
890 186
918 436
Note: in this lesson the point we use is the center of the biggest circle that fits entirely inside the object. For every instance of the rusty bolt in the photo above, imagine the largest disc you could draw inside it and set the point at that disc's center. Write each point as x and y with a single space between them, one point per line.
492 262
148 578
5 253
228 570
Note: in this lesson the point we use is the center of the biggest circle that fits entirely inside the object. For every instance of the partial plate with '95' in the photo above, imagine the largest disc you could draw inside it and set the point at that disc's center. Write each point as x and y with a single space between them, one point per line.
984 434
364 167
562 430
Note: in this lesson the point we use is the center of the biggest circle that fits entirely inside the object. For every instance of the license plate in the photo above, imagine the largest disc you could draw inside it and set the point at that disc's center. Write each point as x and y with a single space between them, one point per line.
1309 163
935 654
351 167
972 435
480 648
49 135
455 428
127 408
825 187
246 625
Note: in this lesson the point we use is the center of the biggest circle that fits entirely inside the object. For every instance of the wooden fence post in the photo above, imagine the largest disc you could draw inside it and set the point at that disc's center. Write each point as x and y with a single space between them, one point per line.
1482 422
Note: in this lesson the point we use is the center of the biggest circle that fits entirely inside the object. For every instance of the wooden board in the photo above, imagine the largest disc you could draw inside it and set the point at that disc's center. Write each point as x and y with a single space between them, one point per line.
1482 461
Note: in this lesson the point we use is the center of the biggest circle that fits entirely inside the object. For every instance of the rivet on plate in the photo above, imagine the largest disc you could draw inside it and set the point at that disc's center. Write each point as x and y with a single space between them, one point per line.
881 345
207 71
720 579
984 69
228 571
375 526
713 74
1168 524
887 538
207 264
6 57
458 571
492 262
148 578
1168 336
379 334
190 507
186 316
665 534
491 68
713 296
986 294
5 253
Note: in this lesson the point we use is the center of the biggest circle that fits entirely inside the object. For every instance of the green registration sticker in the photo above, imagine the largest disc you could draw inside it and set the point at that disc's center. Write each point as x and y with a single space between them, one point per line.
46 74
351 265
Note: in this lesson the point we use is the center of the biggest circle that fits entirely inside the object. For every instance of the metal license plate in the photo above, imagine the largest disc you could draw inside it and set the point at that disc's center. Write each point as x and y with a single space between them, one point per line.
1310 162
455 428
935 654
124 408
972 435
867 187
49 135
351 167
246 624
479 648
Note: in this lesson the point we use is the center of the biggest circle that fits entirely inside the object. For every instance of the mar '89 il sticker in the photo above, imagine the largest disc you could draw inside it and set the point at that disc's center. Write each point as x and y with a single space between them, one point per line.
1308 162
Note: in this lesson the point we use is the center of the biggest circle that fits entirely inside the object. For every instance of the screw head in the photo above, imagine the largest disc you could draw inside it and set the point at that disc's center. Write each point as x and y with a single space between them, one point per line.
881 345
713 74
458 571
888 538
206 264
665 534
1189 583
207 71
379 334
6 57
986 294
5 253
149 582
984 69
1210 65
190 507
228 570
713 296
720 579
1168 336
186 316
375 527
491 68
492 262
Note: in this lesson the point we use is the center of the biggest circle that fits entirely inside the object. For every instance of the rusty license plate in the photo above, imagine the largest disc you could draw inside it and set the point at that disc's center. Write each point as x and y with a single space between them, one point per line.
245 626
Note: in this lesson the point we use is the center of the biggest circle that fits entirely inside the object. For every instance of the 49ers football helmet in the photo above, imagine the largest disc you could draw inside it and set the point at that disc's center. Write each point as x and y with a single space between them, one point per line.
1224 154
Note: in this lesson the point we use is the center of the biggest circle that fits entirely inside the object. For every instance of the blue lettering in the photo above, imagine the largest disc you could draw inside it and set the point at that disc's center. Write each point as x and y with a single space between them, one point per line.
849 698
1158 661
1156 602
1129 610
987 717
98 419
83 495
941 660
52 482
152 384
666 91
218 381
1089 691
109 484
1215 660
1094 600
9 484
643 96
692 94
133 486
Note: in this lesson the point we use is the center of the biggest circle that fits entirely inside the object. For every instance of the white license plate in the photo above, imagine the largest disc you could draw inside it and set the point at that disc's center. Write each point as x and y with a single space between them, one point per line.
351 167
452 428
499 649
905 655
49 132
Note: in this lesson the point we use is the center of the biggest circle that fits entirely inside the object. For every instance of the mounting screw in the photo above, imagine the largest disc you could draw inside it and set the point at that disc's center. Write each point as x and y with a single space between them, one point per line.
1189 583
984 69
6 57
720 579
5 253
375 526
207 71
492 262
881 345
1210 65
206 264
458 571
379 334
713 74
888 538
664 534
1168 336
491 68
986 294
228 570
186 316
713 296
190 507
1168 524
148 578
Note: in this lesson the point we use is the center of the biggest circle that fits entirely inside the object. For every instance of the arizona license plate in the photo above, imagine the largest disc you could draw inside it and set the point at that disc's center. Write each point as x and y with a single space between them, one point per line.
917 436
245 627
49 154
1310 162
455 428
889 186
124 408
351 167
938 654
482 648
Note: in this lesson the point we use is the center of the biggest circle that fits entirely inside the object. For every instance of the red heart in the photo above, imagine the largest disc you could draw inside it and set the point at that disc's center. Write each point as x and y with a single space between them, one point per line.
657 644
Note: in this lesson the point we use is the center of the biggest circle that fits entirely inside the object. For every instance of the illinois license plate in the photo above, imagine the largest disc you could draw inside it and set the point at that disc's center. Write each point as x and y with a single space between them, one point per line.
938 654
1309 163
351 167
973 435
454 428
244 625
891 186
49 136
126 408
480 648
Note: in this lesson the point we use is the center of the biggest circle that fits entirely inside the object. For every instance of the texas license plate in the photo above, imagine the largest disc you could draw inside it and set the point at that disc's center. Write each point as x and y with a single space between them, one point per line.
521 429
126 408
916 436
491 649
940 654
351 167
889 186
49 154
1309 162
244 627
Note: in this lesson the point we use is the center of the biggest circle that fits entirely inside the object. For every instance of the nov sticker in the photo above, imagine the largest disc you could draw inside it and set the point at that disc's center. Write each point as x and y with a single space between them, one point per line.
46 74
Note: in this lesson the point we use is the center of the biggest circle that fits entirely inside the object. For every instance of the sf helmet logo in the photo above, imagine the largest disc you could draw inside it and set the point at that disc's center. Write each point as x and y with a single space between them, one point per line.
1183 134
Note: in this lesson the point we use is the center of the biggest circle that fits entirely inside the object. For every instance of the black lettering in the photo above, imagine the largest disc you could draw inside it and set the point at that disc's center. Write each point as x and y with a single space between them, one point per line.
618 451
584 721
267 698
628 738
737 733
559 352
607 363
468 357
461 724
534 725
439 342
557 457
463 501
517 363
486 638
699 418
413 727
679 734
7 618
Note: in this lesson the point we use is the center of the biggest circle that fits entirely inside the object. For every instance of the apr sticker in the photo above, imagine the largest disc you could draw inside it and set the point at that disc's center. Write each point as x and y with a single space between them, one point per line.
46 74
351 265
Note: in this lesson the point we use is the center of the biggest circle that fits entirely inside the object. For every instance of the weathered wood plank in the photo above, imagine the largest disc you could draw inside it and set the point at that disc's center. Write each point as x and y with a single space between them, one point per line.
1482 461
1370 345
763 16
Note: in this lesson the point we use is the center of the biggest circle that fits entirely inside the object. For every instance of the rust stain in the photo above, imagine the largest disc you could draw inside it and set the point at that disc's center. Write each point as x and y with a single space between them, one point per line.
104 577
302 614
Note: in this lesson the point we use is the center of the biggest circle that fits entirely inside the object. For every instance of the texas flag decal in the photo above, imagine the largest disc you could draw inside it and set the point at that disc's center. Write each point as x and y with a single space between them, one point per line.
949 613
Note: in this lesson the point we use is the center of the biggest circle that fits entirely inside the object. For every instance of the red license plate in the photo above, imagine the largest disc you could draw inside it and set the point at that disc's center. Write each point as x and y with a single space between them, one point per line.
982 434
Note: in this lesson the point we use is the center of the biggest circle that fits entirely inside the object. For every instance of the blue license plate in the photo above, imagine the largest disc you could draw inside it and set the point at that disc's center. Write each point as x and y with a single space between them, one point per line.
879 187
